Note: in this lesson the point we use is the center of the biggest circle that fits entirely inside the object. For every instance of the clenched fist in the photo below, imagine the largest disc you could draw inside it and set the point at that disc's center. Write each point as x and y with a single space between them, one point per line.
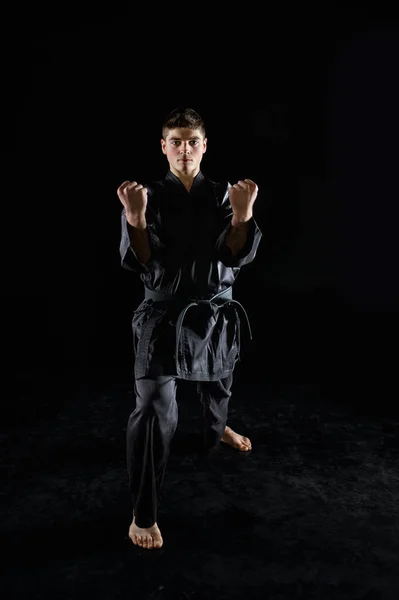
133 196
242 196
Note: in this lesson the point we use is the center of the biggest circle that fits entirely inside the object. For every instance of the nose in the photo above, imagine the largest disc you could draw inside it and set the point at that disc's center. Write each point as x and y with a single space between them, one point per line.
185 147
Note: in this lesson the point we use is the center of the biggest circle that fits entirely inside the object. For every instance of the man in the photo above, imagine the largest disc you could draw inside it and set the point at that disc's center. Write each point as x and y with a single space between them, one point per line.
188 237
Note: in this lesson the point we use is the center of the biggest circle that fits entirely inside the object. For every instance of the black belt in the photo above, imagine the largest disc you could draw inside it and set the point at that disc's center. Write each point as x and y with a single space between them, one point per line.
224 297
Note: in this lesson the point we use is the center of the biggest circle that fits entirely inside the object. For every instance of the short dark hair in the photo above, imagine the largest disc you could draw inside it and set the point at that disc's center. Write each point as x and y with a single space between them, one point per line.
183 117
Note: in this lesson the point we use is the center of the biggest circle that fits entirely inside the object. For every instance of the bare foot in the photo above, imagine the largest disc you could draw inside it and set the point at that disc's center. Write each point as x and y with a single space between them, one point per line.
236 440
146 538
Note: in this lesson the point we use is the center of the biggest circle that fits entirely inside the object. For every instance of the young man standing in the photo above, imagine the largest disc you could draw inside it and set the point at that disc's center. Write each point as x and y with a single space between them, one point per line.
187 237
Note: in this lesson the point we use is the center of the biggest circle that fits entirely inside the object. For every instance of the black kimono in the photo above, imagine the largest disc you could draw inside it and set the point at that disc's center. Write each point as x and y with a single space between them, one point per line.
188 325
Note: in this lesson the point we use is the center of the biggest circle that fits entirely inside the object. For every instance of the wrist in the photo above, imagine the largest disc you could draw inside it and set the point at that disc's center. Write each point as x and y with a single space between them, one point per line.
240 219
136 221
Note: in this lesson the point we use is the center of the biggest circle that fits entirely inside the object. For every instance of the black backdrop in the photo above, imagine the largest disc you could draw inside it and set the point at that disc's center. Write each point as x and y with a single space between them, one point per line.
304 104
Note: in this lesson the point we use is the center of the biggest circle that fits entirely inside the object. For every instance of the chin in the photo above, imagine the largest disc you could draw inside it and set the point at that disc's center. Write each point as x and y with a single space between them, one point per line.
188 168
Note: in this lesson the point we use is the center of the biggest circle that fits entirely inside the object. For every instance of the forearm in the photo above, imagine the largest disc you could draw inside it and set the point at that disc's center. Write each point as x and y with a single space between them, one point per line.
139 240
237 235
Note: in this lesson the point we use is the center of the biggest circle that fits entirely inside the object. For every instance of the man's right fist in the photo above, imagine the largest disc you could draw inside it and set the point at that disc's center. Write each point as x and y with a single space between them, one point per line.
134 198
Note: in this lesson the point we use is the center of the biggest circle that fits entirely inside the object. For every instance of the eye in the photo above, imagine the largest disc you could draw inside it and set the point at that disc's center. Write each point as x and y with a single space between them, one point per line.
194 142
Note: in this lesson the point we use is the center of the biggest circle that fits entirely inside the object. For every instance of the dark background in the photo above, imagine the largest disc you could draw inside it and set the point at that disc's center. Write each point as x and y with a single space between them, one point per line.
304 102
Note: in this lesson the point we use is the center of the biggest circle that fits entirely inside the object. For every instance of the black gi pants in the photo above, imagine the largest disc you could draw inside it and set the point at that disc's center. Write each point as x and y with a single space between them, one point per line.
151 427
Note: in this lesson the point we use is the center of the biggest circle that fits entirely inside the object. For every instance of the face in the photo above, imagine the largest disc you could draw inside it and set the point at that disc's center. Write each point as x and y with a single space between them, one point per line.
184 149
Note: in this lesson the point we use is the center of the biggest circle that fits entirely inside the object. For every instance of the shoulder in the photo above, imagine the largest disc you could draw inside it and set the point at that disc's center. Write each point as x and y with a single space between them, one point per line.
220 189
154 187
155 194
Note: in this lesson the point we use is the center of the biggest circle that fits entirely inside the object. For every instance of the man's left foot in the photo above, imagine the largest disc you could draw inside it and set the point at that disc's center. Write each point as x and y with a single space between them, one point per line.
236 440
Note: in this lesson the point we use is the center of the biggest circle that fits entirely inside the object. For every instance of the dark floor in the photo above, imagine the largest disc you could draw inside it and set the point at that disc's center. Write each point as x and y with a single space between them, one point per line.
311 513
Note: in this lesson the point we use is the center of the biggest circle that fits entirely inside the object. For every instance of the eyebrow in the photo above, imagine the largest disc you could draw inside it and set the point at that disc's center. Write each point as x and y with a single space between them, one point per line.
176 139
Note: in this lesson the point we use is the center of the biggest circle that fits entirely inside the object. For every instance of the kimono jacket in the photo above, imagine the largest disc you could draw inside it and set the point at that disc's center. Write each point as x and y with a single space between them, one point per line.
188 324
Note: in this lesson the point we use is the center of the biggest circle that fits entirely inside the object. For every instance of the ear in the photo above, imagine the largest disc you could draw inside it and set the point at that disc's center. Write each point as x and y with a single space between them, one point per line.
205 142
163 145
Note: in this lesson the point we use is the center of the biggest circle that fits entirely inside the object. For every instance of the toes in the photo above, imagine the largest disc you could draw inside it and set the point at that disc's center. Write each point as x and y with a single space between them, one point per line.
246 446
148 542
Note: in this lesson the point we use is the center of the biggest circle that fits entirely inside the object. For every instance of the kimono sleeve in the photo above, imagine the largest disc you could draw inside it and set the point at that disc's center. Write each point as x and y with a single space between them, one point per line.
248 251
129 258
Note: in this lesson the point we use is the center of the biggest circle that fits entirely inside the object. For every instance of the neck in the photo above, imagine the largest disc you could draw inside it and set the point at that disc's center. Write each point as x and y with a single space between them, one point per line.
186 179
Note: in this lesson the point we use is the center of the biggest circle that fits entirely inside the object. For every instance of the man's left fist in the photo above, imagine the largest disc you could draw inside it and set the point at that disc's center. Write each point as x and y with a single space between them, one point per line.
242 196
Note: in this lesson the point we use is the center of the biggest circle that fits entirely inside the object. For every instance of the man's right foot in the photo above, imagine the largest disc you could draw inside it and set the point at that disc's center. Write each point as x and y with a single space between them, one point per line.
146 538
